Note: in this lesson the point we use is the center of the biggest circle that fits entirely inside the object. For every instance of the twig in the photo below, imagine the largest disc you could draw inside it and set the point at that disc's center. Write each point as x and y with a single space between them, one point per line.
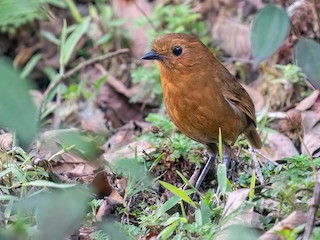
313 210
145 15
257 166
78 68
193 178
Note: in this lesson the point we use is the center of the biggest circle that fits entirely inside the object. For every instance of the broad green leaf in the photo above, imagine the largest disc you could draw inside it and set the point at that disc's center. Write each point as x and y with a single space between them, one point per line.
178 192
222 177
16 107
168 231
73 39
14 11
85 147
57 213
269 29
173 201
307 57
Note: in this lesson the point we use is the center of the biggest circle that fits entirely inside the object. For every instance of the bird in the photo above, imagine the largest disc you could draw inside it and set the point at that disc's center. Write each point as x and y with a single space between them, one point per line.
201 96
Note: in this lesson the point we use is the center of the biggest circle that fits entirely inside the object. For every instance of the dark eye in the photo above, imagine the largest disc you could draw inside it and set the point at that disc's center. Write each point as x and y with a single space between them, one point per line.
177 50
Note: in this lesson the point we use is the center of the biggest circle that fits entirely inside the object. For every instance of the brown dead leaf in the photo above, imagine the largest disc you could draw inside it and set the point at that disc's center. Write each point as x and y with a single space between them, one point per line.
24 54
92 119
235 200
312 143
256 97
133 10
74 166
308 102
128 151
232 37
105 191
309 120
6 140
101 185
125 135
295 219
278 146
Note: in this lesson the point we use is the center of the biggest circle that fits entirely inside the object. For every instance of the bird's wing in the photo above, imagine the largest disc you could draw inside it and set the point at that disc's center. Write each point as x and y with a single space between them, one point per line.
235 94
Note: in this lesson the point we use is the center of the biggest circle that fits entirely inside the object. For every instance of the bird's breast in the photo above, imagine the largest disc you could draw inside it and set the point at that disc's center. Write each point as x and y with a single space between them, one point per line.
198 110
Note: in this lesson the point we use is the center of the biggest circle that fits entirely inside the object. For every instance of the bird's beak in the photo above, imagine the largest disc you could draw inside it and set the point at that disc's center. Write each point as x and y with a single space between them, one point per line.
152 55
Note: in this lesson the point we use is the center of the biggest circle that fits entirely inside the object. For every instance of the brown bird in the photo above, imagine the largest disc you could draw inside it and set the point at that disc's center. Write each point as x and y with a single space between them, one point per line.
201 95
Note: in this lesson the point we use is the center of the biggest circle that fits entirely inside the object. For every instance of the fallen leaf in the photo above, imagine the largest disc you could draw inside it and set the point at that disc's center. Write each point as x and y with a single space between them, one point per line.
235 200
128 151
312 143
277 146
133 10
309 120
308 102
233 37
101 185
256 96
92 119
295 219
6 140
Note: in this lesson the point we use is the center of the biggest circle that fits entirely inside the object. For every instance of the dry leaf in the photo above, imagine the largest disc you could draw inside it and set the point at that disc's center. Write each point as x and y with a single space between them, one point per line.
312 142
277 146
101 185
6 141
129 151
309 120
295 219
133 10
92 119
308 102
235 200
232 37
256 97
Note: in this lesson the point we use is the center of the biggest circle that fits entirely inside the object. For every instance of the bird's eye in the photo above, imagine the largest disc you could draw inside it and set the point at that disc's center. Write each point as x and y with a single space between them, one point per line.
177 50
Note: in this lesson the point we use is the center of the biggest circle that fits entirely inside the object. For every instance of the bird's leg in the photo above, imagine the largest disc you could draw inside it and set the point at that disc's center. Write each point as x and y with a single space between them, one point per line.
205 170
212 150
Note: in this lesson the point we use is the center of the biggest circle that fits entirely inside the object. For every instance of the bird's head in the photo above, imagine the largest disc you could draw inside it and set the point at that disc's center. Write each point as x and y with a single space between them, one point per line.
178 52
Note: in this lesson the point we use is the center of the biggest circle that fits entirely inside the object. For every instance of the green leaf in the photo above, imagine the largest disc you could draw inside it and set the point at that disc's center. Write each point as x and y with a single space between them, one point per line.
16 107
73 39
269 29
44 183
30 65
307 57
8 198
222 177
220 146
50 37
178 192
57 213
74 10
252 186
172 202
168 231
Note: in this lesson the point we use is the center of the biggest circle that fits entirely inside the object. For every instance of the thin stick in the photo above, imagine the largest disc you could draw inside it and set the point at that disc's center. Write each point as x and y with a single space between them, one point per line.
145 15
78 68
313 209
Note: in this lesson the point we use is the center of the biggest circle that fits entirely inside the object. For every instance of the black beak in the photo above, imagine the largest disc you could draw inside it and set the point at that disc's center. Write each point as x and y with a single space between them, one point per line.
152 55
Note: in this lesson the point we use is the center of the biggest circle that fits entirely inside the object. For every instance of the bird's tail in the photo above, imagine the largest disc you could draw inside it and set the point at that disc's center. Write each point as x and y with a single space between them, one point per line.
253 137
